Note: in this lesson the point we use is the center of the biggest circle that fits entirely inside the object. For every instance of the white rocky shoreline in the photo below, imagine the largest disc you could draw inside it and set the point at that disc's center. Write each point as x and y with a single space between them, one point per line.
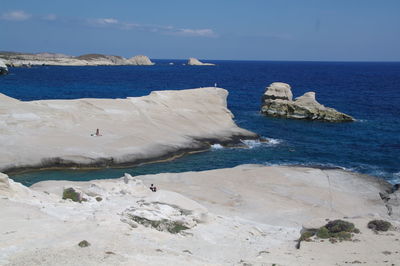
246 215
164 124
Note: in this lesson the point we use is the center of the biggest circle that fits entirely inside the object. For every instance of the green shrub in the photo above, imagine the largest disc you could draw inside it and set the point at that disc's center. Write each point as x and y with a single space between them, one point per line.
379 225
84 244
337 226
323 232
337 230
70 193
342 235
306 235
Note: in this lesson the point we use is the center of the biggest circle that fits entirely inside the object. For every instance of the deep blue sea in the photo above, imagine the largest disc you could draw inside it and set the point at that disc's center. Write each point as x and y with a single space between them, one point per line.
370 92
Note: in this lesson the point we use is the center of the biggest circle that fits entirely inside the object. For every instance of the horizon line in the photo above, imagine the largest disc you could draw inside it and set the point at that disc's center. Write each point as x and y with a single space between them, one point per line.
245 60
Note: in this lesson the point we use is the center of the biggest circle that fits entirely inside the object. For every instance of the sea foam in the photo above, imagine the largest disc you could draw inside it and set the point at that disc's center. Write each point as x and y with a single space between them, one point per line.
216 146
257 143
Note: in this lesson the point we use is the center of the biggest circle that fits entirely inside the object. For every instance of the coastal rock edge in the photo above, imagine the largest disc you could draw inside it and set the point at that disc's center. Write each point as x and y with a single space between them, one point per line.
159 126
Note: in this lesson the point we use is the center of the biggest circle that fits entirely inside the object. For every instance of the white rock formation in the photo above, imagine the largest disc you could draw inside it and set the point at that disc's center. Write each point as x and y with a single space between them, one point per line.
140 60
250 214
158 126
21 59
3 68
278 101
279 90
394 204
195 62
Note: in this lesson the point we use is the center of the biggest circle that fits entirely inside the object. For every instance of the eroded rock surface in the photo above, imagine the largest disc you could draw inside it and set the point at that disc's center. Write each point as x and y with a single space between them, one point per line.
393 204
277 101
248 214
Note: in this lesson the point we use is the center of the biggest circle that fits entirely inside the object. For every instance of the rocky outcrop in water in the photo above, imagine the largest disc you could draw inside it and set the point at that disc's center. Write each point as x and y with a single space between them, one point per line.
50 59
195 62
3 68
132 130
140 60
278 101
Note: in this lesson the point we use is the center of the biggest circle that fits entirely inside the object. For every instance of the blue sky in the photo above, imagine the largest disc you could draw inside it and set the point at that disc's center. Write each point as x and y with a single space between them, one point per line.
324 30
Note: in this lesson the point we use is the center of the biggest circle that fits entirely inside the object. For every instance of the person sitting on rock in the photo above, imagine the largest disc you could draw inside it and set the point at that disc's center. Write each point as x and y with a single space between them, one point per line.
97 134
153 188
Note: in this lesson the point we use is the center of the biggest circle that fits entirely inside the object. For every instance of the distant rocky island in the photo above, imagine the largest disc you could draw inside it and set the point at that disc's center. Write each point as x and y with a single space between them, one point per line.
278 101
14 59
195 62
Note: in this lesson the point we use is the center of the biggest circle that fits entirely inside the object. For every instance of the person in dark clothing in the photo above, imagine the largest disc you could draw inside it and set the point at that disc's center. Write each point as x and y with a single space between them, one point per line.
153 188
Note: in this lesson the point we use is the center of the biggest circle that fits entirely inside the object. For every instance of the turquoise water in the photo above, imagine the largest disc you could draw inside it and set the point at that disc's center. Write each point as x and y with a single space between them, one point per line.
370 92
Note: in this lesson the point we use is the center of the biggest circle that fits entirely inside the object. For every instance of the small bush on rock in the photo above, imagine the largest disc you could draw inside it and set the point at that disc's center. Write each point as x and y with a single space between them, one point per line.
84 244
70 193
379 225
337 230
337 226
343 235
323 232
306 235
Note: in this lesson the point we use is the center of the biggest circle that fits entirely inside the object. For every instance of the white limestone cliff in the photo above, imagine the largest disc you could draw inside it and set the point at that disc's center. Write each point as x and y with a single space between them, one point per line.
154 127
